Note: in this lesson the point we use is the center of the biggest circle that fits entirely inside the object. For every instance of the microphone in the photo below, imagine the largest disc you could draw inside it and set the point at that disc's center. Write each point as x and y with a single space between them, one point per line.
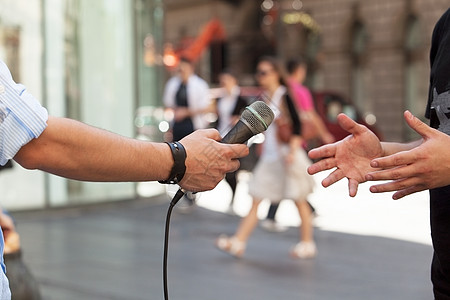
255 119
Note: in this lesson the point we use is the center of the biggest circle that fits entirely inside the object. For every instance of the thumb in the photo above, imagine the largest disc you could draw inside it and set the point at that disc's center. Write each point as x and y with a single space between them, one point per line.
418 126
349 125
210 133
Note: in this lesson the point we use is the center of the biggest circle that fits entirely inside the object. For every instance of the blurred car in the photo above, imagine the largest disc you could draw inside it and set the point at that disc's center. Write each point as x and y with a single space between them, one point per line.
152 123
329 105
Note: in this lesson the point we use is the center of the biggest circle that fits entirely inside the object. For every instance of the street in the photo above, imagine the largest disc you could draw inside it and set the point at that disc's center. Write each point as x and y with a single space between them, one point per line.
370 247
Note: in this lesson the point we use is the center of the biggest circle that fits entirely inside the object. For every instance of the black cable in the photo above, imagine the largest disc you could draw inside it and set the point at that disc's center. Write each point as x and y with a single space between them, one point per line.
180 193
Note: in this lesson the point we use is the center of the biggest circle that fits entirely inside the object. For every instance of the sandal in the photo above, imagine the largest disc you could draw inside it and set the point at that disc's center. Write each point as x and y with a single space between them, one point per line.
231 245
304 250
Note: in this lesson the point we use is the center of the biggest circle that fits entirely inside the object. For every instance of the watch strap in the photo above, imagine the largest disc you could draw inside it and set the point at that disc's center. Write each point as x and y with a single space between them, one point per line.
179 167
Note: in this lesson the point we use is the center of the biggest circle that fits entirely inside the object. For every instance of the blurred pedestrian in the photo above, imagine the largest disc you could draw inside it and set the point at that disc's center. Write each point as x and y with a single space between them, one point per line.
408 167
187 95
78 151
313 127
281 170
22 283
229 107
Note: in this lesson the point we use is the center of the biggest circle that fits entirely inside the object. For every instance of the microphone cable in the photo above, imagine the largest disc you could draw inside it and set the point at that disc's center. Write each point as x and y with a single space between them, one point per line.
255 119
179 194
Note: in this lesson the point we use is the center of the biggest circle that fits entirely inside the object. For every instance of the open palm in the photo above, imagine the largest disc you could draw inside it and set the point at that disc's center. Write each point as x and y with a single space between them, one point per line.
351 156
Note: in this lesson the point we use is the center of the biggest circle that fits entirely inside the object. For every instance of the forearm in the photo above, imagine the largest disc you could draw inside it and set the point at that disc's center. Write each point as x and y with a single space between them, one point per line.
390 148
74 150
295 143
313 117
319 124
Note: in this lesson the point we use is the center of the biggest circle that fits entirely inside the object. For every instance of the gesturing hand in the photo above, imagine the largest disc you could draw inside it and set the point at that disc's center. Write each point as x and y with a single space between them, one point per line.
424 167
351 156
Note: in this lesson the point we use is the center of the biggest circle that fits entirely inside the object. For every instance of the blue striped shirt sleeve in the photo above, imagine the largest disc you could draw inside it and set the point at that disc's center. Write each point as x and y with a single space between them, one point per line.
22 118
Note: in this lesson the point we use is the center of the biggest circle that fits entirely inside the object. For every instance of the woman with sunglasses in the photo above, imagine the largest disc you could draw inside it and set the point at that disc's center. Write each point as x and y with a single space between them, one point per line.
281 170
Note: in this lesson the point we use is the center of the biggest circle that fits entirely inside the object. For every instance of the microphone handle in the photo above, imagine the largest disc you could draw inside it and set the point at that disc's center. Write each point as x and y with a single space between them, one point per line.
239 134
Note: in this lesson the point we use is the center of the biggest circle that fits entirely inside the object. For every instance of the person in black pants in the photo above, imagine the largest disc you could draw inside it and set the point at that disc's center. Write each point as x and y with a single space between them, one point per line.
229 107
187 95
408 167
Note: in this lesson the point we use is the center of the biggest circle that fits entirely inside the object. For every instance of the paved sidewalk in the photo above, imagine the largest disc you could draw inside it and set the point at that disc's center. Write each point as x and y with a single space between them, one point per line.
114 251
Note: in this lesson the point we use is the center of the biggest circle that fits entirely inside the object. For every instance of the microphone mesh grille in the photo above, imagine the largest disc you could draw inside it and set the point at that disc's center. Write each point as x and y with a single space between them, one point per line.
259 116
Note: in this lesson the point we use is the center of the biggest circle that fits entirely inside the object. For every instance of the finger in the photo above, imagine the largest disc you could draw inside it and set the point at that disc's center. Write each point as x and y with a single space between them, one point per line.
349 125
322 165
323 151
418 126
408 191
238 150
334 177
394 160
396 185
394 173
211 133
234 165
352 187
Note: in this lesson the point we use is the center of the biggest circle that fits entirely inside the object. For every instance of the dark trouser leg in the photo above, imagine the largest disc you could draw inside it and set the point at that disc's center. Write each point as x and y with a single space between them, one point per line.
232 181
272 211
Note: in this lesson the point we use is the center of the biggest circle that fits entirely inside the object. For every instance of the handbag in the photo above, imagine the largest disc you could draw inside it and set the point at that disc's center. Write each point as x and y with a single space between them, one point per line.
309 129
284 129
284 125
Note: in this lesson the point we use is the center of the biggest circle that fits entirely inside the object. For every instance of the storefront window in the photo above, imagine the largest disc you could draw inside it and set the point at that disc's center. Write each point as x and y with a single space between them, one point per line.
149 118
20 44
103 73
149 51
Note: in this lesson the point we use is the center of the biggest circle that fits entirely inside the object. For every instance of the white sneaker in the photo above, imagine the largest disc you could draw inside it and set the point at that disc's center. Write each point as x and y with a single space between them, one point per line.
273 226
304 250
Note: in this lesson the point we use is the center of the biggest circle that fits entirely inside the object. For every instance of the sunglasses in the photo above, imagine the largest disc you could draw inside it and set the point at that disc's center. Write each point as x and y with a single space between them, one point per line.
261 73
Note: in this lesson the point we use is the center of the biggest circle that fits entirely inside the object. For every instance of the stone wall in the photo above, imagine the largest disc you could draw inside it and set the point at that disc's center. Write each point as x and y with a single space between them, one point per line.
378 72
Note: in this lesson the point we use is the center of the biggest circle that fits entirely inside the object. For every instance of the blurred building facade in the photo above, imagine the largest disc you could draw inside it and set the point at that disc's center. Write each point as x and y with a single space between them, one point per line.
372 52
94 61
101 61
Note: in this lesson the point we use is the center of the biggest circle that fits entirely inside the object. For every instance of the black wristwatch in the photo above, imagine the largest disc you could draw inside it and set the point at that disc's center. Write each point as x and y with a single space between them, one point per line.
179 167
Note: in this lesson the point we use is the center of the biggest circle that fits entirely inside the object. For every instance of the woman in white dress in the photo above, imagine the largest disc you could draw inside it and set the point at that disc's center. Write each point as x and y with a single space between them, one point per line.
281 170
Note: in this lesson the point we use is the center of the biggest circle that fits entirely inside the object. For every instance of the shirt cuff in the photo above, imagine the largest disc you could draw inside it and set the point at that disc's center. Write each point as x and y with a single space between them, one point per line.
23 120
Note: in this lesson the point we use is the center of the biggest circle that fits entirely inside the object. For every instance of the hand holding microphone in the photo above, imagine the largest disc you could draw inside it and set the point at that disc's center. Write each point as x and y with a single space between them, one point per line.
210 163
207 160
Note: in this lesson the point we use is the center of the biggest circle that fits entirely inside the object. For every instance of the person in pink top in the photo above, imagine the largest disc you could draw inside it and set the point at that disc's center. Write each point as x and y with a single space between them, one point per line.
313 126
302 94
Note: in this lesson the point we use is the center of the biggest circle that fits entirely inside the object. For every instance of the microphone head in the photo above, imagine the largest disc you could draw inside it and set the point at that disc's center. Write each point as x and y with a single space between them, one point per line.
258 116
